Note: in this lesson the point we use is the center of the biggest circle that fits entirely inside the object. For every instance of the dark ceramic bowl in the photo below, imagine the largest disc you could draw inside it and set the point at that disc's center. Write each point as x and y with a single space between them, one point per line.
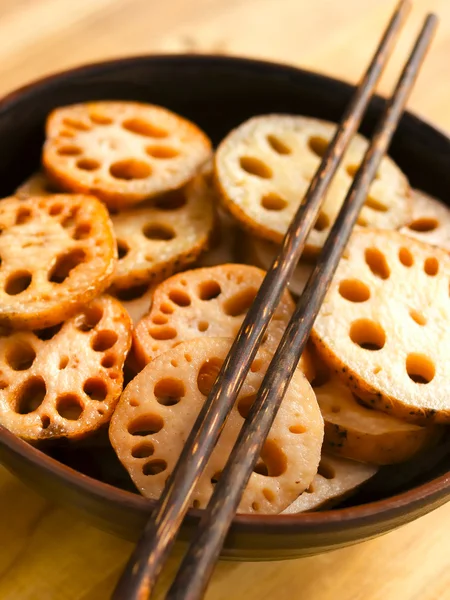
218 93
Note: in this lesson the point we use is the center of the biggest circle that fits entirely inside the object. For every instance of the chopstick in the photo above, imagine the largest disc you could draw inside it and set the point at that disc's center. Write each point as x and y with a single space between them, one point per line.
146 561
197 565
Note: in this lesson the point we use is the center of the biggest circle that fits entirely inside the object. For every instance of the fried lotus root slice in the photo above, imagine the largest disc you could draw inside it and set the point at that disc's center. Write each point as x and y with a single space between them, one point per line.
64 381
262 253
384 325
158 408
57 253
430 221
123 152
264 167
337 479
207 302
361 433
155 241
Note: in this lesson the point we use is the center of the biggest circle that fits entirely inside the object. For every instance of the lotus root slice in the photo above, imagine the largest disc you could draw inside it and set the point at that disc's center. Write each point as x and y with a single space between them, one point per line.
65 381
57 253
158 409
123 152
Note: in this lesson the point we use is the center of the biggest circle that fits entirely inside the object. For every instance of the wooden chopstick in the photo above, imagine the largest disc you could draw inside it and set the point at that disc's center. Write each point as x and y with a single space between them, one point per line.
197 566
145 563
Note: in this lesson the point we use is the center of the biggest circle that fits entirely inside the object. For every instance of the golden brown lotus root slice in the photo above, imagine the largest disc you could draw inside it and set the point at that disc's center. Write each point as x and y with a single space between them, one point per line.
264 167
430 220
158 408
361 433
123 152
384 325
262 254
207 302
157 240
65 381
57 253
337 478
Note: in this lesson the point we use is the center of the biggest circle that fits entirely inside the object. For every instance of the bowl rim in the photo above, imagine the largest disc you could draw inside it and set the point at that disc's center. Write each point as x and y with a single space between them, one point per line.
432 492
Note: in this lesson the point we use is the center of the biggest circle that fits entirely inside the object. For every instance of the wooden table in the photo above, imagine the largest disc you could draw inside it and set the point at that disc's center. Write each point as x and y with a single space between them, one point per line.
45 552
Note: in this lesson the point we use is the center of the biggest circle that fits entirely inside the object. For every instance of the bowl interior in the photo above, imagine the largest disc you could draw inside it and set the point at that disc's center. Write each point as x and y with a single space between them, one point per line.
217 93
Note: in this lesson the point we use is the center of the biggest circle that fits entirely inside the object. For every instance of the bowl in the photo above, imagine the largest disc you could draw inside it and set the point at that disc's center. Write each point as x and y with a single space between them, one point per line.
218 93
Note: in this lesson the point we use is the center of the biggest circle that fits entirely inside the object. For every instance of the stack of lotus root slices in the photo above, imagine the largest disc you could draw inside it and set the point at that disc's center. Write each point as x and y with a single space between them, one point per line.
136 250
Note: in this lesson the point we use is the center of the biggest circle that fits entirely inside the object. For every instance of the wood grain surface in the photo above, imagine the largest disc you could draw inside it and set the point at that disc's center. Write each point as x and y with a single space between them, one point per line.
46 553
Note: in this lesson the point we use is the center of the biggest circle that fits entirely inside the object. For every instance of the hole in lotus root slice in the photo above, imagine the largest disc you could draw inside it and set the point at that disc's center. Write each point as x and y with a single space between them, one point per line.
273 201
278 145
164 332
89 318
336 409
158 231
143 450
162 152
256 365
169 391
160 319
69 150
424 224
48 332
431 266
130 169
297 429
179 297
361 221
245 404
69 407
377 263
417 317
100 119
45 421
24 214
108 361
63 362
318 145
146 425
354 290
207 374
196 503
215 477
96 389
208 290
76 124
239 304
203 326
104 340
18 282
272 462
82 231
376 204
367 334
154 467
65 264
20 355
269 495
405 257
326 470
255 166
420 368
144 128
30 396
122 249
88 164
322 223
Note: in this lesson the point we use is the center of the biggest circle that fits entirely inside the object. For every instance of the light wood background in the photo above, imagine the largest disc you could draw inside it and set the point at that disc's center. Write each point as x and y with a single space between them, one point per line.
45 552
